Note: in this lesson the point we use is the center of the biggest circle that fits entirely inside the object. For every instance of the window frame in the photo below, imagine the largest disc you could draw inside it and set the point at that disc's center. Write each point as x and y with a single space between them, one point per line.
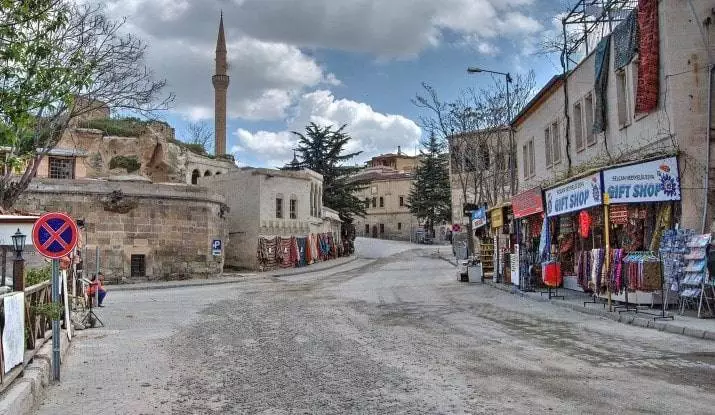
590 134
279 207
293 208
72 167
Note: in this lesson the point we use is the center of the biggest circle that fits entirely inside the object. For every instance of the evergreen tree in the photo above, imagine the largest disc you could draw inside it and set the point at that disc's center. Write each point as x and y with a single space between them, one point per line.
321 149
430 197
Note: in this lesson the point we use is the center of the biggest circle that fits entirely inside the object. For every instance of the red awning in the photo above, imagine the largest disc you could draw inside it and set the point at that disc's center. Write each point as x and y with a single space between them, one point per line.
527 203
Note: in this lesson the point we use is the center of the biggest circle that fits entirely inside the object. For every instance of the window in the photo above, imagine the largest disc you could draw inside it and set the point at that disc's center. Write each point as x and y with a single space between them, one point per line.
374 202
195 177
61 168
552 144
529 159
367 202
207 174
399 226
532 165
382 201
279 208
622 98
402 201
293 209
556 142
578 126
382 228
588 110
367 229
138 266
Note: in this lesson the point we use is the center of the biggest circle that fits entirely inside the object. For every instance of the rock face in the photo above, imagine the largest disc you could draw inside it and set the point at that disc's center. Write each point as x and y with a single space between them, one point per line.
153 153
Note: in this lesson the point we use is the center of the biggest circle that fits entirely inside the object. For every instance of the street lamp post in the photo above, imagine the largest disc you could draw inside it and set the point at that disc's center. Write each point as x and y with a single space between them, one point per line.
512 151
18 264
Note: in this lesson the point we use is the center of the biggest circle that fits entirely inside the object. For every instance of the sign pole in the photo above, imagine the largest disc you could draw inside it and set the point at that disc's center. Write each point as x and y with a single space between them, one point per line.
55 320
607 236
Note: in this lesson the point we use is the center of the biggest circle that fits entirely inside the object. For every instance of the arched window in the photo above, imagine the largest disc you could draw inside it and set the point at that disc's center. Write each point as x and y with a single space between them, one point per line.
207 174
195 177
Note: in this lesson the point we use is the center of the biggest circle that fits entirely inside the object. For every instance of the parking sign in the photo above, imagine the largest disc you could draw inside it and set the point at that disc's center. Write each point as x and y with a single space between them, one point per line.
216 247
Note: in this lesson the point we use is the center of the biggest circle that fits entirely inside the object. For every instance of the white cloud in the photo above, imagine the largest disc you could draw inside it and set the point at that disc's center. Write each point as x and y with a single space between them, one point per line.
373 132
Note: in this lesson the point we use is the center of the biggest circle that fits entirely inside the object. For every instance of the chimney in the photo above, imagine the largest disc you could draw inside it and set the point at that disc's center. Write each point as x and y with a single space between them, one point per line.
399 151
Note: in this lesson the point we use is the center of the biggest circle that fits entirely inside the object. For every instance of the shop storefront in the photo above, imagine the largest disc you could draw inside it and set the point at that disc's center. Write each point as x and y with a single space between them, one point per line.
500 241
573 228
528 210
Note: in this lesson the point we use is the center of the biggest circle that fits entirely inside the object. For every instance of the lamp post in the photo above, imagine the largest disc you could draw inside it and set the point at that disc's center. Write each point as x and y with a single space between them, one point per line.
18 264
512 152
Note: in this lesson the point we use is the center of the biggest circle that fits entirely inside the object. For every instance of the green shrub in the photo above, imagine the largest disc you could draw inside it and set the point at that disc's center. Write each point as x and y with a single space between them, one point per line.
34 276
131 163
121 127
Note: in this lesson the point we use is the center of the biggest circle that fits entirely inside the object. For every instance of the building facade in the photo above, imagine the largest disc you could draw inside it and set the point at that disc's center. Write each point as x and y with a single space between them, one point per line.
385 197
269 203
574 125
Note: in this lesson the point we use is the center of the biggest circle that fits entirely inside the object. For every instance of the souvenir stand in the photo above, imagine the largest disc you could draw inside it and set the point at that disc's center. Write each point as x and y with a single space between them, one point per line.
641 206
696 287
500 242
574 227
528 208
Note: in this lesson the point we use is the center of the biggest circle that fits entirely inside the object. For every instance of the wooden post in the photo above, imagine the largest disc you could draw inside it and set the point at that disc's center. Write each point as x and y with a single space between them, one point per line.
606 235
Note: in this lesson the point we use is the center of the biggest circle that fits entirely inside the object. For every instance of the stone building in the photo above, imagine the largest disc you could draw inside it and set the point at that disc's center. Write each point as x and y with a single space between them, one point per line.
675 123
385 197
269 202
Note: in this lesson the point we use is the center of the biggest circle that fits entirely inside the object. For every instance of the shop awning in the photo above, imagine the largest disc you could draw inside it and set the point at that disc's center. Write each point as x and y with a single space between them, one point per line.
527 203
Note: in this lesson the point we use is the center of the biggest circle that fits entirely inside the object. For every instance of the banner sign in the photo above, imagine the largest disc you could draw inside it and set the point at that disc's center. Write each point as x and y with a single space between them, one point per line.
527 203
479 218
653 181
579 194
497 216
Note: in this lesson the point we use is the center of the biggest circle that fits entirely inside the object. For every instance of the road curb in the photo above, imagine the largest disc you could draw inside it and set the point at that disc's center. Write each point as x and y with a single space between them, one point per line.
305 270
27 391
631 319
226 280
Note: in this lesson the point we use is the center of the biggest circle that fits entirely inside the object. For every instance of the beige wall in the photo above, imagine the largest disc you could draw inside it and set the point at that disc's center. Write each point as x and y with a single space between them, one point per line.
173 226
392 213
251 196
679 123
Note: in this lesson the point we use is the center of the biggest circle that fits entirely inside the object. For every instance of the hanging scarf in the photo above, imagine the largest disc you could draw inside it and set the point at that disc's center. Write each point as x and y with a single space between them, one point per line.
545 241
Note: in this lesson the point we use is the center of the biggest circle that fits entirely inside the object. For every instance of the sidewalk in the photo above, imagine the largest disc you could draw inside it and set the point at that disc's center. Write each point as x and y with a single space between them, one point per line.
232 278
574 300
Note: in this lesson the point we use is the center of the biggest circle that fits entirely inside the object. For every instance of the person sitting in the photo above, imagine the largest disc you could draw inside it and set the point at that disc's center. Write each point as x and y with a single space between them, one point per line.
96 286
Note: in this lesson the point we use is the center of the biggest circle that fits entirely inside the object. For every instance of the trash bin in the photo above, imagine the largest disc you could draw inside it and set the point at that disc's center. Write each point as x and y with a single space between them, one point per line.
475 272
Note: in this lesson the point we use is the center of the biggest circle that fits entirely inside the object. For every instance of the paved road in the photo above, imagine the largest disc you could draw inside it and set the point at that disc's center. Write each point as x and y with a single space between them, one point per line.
392 332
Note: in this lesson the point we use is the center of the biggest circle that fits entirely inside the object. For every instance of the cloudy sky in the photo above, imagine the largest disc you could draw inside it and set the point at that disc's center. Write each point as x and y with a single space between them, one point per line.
331 61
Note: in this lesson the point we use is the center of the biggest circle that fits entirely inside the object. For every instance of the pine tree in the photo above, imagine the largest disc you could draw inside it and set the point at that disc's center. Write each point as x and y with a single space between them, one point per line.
321 150
430 197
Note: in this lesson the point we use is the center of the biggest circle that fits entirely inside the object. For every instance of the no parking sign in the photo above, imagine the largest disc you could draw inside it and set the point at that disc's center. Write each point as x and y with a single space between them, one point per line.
54 235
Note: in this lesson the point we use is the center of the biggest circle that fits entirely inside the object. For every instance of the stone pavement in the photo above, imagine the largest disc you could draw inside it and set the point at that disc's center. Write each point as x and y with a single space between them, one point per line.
386 334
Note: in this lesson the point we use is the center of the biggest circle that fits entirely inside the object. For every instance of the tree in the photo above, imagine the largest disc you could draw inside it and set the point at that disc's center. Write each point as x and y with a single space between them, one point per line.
200 135
321 149
475 126
58 61
430 199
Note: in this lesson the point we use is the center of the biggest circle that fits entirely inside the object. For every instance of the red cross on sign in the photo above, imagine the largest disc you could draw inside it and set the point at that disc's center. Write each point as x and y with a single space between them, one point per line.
54 235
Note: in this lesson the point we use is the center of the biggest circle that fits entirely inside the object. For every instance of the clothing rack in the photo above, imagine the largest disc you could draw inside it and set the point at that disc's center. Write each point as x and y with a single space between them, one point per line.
644 256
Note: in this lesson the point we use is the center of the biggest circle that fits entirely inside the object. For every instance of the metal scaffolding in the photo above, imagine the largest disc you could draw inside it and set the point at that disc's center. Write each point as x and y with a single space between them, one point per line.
588 22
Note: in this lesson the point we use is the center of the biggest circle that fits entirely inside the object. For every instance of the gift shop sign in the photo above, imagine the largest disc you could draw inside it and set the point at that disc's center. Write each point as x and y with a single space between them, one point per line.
653 181
580 194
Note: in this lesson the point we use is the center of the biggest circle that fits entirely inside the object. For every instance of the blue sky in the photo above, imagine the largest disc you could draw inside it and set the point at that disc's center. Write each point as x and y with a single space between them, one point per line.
332 61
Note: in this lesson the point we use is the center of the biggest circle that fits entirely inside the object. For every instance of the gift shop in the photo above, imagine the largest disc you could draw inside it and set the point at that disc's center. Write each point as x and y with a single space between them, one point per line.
528 210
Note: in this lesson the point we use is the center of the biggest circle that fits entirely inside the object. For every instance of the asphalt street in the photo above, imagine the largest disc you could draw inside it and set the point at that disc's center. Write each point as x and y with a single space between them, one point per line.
392 332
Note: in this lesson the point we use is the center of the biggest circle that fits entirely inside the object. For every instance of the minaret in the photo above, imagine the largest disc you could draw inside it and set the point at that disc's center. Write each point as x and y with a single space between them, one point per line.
220 81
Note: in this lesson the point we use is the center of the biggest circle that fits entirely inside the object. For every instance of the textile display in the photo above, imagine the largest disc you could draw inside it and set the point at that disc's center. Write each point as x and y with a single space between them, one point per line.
583 270
551 274
601 85
625 41
535 227
309 253
545 240
662 223
584 224
267 253
649 57
642 272
566 226
288 255
615 284
302 246
316 248
632 238
618 215
598 256
13 333
674 253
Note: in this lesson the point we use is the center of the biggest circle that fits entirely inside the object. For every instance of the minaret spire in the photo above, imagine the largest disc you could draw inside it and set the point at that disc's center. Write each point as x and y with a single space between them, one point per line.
220 82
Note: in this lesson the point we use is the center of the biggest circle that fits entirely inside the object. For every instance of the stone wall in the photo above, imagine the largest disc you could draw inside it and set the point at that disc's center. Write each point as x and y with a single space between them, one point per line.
171 225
